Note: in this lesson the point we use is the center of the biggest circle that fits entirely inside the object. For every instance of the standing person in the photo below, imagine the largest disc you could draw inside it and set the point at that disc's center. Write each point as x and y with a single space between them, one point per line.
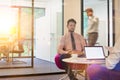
71 42
112 69
92 31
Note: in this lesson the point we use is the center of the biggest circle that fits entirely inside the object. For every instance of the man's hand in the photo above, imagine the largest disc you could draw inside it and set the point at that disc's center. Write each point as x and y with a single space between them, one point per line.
68 51
76 52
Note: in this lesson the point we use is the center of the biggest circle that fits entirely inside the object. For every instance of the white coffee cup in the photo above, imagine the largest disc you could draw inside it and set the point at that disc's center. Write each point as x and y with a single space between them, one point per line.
74 55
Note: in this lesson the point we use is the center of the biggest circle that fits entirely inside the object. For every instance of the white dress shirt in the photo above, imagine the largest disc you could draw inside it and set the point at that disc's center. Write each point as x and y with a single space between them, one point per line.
114 56
92 24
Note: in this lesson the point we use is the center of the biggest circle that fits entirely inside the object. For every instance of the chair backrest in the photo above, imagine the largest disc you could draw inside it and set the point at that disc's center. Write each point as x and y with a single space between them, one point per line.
19 46
58 62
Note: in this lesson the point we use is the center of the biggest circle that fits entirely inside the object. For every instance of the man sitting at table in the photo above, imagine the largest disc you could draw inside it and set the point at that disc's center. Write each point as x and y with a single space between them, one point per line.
71 42
112 69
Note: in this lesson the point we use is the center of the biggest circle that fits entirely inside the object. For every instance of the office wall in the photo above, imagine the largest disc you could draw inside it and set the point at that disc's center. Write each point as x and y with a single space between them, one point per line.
117 18
42 35
48 29
72 9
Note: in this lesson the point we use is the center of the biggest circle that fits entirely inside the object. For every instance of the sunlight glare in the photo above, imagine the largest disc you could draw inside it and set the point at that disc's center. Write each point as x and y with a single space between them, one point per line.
7 20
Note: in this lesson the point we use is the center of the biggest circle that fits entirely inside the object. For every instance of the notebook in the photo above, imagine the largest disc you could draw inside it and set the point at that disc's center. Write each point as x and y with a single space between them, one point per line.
94 52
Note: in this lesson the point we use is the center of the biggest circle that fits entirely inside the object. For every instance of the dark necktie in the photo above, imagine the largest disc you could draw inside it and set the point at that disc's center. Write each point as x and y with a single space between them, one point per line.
73 41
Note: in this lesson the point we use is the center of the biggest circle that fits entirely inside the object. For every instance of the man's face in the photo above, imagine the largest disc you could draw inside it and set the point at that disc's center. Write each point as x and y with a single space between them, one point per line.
89 13
71 26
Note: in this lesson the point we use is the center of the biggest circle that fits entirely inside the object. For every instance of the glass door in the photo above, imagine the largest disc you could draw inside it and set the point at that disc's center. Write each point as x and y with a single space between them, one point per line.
105 28
16 34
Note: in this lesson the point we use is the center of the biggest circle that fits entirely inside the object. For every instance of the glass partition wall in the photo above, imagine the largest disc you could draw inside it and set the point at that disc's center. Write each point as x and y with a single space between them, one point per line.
16 33
29 34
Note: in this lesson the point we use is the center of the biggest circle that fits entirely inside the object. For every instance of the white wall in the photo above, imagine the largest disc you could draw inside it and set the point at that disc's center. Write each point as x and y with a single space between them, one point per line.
42 30
46 30
72 9
103 24
117 19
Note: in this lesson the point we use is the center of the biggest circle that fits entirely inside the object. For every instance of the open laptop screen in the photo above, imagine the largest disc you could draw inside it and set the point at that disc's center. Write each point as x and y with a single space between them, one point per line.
94 52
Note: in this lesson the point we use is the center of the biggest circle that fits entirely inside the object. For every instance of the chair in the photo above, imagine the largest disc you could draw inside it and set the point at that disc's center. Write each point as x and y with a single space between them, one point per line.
59 65
114 75
57 61
4 49
17 49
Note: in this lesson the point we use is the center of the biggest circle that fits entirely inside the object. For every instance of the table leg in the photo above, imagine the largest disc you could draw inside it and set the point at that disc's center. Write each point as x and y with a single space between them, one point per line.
86 76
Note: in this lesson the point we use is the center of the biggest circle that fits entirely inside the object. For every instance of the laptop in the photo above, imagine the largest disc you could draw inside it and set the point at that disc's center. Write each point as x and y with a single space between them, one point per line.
94 52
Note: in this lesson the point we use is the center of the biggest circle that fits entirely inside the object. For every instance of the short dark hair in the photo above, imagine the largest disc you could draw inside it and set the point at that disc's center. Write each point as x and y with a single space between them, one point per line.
89 10
71 20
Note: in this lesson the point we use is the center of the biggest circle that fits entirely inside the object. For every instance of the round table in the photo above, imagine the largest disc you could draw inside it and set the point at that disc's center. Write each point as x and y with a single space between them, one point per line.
79 63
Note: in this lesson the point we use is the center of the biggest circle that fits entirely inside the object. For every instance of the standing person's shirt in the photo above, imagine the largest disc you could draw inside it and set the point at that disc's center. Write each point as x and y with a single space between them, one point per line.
114 57
93 23
66 44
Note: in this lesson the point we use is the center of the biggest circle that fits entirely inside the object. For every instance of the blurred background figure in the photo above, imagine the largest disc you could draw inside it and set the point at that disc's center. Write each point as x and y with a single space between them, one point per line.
92 31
